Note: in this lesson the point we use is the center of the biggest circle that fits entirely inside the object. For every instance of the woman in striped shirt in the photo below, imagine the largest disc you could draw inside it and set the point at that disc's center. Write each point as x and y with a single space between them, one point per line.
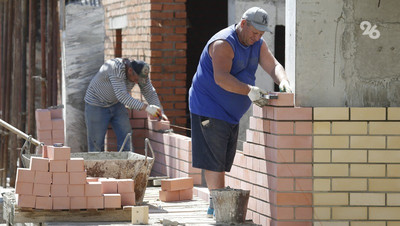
108 95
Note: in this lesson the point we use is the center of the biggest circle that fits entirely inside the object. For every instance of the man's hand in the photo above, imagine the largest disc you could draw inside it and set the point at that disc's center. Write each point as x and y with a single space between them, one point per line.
284 86
154 111
255 93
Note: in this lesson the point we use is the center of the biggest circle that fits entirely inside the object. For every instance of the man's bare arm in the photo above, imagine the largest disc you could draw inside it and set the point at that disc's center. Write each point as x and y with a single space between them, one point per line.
222 55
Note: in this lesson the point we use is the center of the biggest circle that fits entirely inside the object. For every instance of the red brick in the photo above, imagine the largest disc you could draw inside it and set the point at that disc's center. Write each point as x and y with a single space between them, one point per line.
284 99
93 189
304 213
57 134
56 113
44 125
44 203
177 184
304 199
294 170
76 165
128 199
137 123
44 151
58 140
61 203
58 166
281 127
59 153
126 185
79 178
27 201
39 164
23 188
42 177
46 142
57 124
42 115
95 202
284 141
91 179
169 196
139 114
158 125
303 128
78 202
296 113
282 213
44 135
59 190
303 156
186 194
25 175
109 185
41 189
76 190
61 178
112 201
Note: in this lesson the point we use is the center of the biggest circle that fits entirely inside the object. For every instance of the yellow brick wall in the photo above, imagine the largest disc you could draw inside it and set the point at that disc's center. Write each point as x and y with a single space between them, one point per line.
356 166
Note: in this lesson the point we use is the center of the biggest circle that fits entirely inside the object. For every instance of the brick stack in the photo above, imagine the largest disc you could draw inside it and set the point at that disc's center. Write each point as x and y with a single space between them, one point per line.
50 126
176 189
60 182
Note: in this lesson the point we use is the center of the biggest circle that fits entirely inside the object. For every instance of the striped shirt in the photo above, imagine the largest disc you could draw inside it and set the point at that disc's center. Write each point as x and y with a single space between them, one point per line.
110 85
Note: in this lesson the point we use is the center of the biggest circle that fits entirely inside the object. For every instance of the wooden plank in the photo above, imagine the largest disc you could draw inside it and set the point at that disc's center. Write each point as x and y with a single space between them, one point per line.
38 216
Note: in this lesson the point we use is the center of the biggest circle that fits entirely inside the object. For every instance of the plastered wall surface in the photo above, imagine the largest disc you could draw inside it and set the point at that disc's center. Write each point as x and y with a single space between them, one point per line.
83 54
339 63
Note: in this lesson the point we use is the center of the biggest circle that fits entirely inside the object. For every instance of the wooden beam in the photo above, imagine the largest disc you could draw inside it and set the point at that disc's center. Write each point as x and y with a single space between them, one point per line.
32 68
43 51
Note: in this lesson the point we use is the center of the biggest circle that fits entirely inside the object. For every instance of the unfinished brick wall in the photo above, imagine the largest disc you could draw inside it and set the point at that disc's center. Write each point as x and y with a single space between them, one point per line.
156 33
312 166
275 164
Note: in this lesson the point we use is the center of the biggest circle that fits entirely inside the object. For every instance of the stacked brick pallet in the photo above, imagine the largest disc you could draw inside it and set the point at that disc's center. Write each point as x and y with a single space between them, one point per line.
61 183
50 126
177 189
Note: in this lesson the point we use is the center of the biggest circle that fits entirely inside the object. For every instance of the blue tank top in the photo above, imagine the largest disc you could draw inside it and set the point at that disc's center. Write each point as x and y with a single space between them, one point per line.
206 98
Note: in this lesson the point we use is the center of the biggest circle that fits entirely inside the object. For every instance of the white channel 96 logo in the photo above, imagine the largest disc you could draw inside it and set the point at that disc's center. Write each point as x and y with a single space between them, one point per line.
370 30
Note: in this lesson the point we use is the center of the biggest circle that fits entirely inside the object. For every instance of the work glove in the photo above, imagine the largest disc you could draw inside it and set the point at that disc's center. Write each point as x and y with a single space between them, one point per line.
255 93
154 110
284 86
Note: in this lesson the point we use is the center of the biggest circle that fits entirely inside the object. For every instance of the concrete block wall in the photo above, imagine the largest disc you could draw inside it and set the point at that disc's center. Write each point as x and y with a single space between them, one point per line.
164 49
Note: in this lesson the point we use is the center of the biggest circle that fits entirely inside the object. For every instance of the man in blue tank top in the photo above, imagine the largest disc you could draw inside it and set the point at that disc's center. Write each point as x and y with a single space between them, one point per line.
223 90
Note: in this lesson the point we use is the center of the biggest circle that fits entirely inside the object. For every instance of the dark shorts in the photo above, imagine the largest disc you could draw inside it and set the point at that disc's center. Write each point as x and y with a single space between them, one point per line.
213 143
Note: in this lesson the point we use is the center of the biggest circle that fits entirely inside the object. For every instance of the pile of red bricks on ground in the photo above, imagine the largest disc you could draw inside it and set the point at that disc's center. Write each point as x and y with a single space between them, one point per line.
50 126
176 189
56 181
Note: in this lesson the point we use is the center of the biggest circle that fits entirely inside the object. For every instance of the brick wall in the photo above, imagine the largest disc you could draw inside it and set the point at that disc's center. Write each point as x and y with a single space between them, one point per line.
312 166
276 164
357 166
156 33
